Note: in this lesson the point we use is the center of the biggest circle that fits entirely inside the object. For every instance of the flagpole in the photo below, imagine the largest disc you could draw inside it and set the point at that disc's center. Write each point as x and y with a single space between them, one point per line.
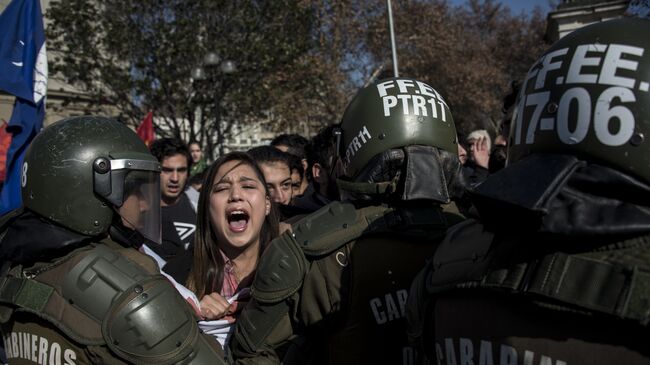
392 38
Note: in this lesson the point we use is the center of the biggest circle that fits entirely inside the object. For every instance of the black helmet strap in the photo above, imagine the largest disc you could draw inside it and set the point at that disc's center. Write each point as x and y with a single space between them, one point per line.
424 176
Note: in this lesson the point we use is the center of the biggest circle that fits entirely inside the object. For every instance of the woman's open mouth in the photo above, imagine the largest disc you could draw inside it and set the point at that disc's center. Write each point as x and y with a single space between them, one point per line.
237 220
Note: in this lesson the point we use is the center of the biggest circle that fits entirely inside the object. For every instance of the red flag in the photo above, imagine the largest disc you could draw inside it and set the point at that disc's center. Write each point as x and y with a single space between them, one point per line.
5 141
145 130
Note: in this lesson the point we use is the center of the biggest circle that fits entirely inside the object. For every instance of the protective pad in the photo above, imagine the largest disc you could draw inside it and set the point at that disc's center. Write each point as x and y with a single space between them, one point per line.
327 229
151 323
280 271
144 319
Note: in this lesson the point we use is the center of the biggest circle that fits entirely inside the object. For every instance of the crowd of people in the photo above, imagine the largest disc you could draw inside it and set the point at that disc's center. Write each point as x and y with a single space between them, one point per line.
386 238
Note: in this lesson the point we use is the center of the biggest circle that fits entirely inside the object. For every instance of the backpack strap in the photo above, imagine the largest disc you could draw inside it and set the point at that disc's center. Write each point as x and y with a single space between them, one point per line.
28 294
617 287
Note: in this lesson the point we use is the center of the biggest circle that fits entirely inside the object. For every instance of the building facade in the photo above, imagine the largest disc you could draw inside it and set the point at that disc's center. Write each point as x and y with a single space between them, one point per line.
573 14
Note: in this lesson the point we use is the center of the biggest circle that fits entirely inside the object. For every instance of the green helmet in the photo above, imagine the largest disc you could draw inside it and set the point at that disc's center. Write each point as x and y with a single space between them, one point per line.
81 171
393 113
589 96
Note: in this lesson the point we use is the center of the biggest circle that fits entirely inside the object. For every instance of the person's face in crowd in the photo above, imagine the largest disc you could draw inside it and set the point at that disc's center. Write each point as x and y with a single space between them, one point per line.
296 183
295 176
462 154
321 176
195 152
278 181
173 178
326 178
238 205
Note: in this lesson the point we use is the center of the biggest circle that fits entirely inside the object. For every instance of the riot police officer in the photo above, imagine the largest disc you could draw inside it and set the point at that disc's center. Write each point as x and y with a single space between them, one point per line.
333 289
558 270
73 289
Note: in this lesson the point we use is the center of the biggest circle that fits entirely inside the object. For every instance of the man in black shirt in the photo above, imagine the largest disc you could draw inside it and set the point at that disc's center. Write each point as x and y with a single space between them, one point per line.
178 214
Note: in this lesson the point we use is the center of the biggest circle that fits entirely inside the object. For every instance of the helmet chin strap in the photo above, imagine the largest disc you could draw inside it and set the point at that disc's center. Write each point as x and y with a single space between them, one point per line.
425 175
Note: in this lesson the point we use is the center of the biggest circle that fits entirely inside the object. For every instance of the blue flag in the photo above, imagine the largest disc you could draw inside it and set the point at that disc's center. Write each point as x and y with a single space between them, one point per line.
23 73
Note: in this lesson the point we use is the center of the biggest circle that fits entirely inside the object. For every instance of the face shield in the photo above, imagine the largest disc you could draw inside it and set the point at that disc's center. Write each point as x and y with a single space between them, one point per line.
133 187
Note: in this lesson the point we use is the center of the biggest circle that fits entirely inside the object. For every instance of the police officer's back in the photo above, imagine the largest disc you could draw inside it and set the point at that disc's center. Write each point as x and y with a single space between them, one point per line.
73 290
558 270
336 285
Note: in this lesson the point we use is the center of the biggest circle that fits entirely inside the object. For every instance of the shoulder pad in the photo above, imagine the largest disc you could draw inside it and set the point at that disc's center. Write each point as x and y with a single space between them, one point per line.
328 228
280 271
462 256
144 319
99 278
336 224
150 323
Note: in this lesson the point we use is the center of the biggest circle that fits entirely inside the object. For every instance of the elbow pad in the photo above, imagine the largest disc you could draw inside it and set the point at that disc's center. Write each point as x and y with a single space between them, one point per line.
144 320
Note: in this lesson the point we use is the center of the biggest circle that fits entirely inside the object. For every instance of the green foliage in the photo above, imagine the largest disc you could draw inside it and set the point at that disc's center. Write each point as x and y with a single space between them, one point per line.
297 60
470 54
136 55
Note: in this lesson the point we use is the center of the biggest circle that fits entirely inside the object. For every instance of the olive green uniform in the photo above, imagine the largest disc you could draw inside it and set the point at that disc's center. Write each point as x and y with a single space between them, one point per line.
334 290
558 269
68 293
566 310
88 302
564 282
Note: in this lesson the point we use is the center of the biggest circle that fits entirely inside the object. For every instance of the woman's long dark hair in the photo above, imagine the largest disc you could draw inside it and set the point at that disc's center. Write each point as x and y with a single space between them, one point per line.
206 273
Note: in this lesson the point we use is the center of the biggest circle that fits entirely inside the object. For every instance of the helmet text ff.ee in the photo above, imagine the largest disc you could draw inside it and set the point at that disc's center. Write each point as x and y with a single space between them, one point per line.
589 96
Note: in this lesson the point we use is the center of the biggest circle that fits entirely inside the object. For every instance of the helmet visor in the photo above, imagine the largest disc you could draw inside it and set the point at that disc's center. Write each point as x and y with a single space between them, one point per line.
140 209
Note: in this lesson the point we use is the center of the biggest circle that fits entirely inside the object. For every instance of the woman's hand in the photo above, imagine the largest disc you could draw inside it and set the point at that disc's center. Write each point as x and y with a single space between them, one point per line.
214 306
